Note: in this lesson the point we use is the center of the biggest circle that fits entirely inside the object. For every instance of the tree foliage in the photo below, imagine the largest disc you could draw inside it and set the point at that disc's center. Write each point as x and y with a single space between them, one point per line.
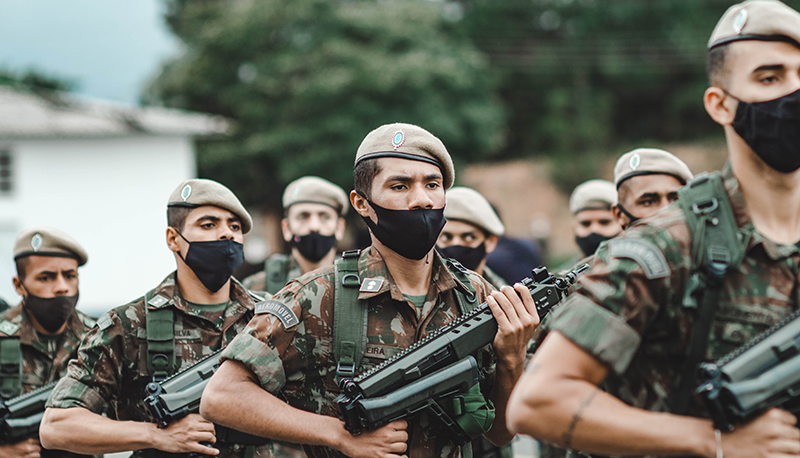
306 80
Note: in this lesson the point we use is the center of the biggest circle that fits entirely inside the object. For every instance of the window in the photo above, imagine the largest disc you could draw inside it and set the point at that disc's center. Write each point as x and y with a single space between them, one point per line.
6 175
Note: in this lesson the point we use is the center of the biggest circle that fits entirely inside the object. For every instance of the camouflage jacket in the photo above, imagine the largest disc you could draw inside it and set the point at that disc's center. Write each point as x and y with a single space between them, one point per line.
297 363
258 281
111 366
628 310
44 360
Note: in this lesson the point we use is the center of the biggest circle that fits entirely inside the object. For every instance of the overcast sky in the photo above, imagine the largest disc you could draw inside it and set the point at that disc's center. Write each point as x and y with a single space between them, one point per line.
110 48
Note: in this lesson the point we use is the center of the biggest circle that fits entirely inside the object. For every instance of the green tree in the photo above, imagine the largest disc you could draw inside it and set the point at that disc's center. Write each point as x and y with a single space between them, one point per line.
306 80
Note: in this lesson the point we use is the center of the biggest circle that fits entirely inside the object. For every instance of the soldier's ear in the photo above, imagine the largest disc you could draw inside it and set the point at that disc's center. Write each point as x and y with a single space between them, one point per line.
622 220
339 233
287 233
18 286
720 106
359 203
172 240
491 243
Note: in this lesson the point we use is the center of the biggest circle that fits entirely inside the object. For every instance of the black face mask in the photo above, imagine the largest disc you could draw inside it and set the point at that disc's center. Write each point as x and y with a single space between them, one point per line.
772 129
632 218
313 246
410 233
469 257
213 262
51 312
590 243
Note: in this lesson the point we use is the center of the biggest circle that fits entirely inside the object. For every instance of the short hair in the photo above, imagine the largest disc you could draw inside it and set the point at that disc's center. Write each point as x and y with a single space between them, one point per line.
22 266
717 65
176 216
365 172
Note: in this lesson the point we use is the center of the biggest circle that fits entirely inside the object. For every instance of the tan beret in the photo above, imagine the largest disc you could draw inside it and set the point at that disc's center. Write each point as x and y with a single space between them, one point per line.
48 241
650 161
197 192
765 20
593 195
407 141
469 206
316 190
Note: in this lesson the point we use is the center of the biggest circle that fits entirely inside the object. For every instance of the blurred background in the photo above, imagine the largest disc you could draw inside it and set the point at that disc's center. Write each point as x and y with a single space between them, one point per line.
105 106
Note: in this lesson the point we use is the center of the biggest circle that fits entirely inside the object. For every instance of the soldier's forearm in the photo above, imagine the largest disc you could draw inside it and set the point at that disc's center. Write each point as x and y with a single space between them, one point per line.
79 430
233 398
508 372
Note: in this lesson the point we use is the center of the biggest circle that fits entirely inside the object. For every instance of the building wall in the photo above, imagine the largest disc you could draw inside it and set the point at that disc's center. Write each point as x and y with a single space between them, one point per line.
110 195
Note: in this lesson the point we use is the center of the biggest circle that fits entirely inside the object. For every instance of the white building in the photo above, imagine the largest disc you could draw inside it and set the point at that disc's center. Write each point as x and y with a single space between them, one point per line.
102 172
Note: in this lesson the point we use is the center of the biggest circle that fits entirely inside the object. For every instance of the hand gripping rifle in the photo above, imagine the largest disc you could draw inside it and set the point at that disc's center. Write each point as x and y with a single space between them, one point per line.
761 374
20 416
407 383
179 395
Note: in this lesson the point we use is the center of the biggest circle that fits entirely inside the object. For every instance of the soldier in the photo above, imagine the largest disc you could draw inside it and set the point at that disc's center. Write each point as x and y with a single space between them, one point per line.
647 180
41 334
313 223
593 222
196 310
471 232
654 289
401 173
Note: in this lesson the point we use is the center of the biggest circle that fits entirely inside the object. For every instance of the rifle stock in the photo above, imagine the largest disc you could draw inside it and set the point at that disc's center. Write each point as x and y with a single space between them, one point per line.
179 395
20 416
762 374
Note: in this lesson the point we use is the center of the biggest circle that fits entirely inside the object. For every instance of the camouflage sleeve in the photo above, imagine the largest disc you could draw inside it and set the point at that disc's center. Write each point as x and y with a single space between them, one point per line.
632 279
93 377
263 345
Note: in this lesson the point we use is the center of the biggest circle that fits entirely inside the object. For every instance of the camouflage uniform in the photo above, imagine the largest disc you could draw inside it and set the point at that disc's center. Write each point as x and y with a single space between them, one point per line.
258 281
44 359
111 366
638 327
298 363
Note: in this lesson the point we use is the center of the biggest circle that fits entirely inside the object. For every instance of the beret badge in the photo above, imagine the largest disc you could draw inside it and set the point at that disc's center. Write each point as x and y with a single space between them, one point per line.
398 139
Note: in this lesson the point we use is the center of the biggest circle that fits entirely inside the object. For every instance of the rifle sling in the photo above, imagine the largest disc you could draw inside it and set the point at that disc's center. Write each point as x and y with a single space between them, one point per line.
160 340
349 316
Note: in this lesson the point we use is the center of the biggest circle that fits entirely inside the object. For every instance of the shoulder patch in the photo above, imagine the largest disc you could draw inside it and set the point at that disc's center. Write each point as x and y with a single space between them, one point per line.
647 255
158 301
8 328
105 321
280 310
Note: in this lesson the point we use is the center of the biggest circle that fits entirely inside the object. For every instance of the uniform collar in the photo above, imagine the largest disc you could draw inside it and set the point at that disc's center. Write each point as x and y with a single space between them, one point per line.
372 266
166 294
748 231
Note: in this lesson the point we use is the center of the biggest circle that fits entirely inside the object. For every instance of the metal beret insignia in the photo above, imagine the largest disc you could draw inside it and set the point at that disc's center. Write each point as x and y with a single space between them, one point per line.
36 242
280 310
186 192
643 252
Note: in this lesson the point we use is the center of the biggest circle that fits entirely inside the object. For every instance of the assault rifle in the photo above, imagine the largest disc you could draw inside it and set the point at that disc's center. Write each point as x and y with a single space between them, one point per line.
179 395
20 416
418 369
762 374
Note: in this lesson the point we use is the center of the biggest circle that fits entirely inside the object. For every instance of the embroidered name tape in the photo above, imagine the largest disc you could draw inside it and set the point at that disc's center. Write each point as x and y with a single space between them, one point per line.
280 310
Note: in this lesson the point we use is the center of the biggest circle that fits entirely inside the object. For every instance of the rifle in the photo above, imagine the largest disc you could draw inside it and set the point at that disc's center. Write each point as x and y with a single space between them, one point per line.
179 395
451 344
761 374
20 416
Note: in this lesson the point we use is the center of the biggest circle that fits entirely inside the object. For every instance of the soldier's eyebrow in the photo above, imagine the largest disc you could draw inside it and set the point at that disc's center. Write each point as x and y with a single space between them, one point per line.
770 67
649 195
210 218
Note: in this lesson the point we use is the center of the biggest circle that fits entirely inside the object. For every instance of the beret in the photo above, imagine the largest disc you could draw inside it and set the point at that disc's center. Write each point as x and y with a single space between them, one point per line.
469 206
407 141
764 20
316 190
48 241
650 161
593 195
198 192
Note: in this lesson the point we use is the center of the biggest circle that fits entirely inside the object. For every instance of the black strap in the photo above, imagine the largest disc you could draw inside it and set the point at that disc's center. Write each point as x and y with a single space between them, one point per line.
10 367
276 270
465 293
717 249
349 316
